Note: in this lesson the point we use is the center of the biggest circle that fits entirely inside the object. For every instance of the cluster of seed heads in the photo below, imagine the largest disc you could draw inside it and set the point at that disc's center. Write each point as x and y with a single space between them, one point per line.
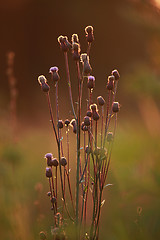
87 126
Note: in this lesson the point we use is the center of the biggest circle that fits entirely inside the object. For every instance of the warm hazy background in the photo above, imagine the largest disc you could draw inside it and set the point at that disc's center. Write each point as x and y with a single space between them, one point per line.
127 37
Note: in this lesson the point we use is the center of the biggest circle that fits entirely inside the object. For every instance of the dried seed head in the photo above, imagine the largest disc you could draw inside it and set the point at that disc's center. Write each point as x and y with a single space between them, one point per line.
60 124
116 74
89 34
74 125
49 156
76 51
96 116
87 121
110 83
54 162
68 44
42 235
75 38
53 200
91 82
66 122
48 172
63 161
86 65
45 87
100 100
54 72
109 137
84 127
84 57
115 107
93 107
89 29
62 42
53 69
42 79
89 113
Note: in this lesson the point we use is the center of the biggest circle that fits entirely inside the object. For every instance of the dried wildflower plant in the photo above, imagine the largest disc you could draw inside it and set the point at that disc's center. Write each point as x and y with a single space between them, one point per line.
93 154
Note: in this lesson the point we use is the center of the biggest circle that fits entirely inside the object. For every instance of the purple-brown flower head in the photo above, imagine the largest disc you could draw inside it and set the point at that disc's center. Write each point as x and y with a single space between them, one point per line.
54 162
74 125
76 51
110 83
67 122
87 121
84 127
54 73
45 87
116 74
63 44
75 38
91 82
42 79
115 107
89 34
63 161
48 172
93 107
89 113
100 100
86 65
60 124
49 158
42 235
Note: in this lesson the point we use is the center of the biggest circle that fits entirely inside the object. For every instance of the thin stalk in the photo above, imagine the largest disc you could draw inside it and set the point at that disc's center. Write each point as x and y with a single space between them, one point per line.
88 49
51 115
69 83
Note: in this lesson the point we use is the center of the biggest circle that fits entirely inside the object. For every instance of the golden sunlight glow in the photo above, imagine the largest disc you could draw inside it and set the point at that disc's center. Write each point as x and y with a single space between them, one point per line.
157 3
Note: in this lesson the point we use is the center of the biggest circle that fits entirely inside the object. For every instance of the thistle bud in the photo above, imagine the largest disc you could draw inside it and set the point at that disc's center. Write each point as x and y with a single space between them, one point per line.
67 122
116 74
48 172
74 125
115 107
54 72
93 107
100 100
60 124
42 79
54 162
109 137
63 161
75 38
87 121
89 113
96 116
49 157
76 51
89 34
83 127
110 83
86 65
62 42
91 82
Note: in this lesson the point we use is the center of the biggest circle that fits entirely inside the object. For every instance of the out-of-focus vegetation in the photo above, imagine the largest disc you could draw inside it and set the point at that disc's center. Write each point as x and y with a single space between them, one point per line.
127 36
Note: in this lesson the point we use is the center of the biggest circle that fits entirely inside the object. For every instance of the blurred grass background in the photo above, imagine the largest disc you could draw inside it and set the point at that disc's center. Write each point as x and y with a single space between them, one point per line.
127 37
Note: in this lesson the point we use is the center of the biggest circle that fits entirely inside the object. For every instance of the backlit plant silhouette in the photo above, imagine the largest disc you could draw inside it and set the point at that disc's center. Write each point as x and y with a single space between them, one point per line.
93 153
